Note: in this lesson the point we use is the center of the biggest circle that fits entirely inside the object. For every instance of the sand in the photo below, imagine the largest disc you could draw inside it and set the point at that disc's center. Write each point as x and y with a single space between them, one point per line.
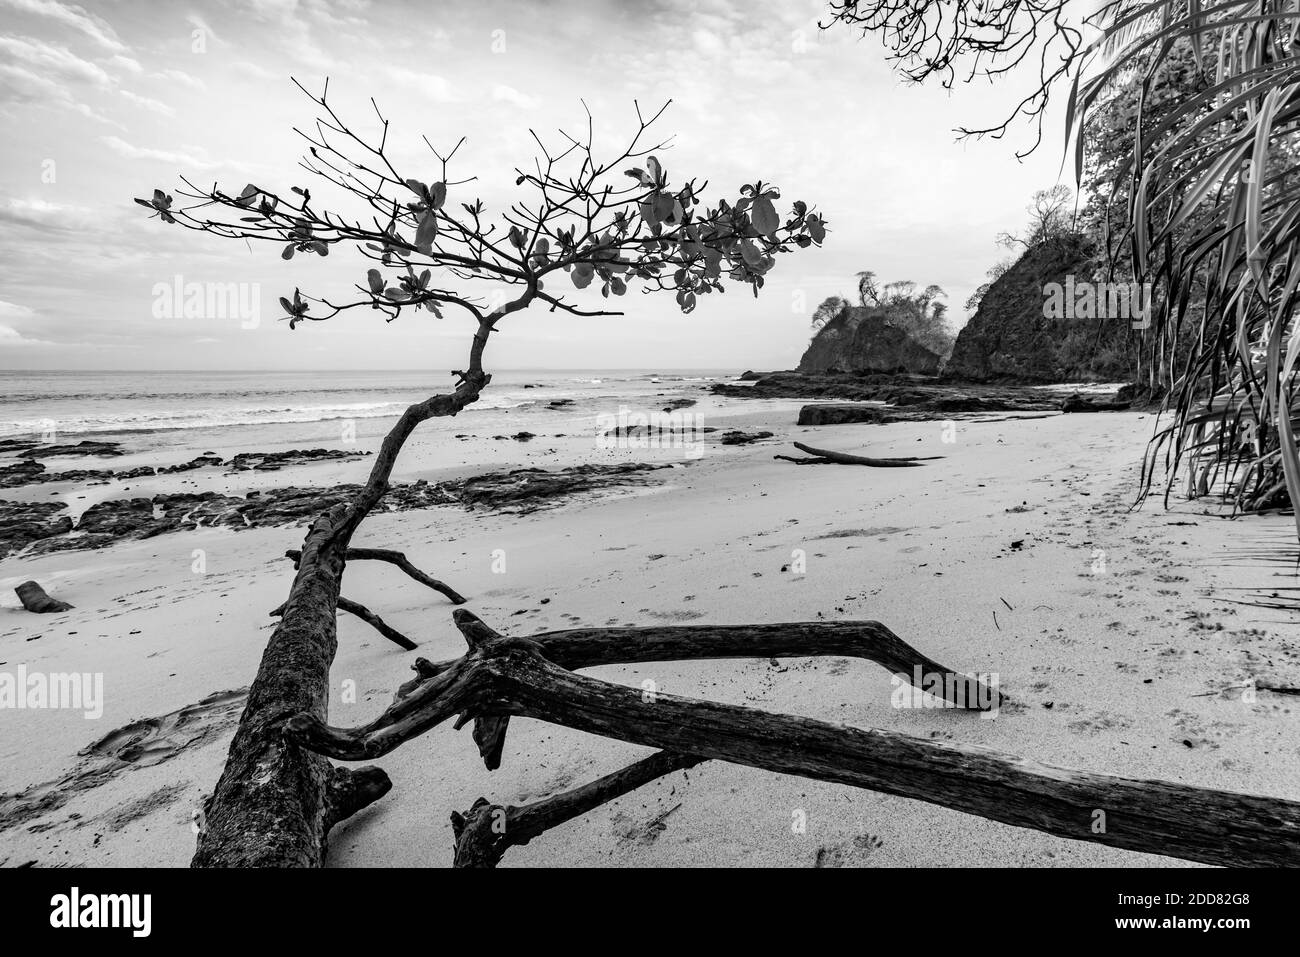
1111 629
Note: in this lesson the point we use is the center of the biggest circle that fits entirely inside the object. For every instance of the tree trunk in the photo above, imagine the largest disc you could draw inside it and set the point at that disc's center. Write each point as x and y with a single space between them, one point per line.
275 803
35 600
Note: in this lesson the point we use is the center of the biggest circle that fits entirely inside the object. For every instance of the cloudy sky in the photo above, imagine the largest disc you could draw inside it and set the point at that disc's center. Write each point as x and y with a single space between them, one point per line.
106 100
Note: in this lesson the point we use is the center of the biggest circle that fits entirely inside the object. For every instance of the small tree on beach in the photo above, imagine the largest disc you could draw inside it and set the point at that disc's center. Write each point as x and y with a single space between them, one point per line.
584 223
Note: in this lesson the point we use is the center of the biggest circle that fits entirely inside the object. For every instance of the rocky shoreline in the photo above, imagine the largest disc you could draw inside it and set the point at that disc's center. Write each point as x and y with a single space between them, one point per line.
29 471
909 398
38 528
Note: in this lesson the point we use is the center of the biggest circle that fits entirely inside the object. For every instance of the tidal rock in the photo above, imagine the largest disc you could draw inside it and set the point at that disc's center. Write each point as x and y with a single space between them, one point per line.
841 413
22 523
271 461
1079 403
735 437
43 450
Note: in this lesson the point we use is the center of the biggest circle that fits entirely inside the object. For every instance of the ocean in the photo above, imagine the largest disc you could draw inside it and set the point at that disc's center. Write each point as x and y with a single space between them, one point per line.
245 411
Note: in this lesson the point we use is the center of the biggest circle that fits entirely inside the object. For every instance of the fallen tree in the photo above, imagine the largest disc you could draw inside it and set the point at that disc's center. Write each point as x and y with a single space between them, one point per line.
599 222
502 677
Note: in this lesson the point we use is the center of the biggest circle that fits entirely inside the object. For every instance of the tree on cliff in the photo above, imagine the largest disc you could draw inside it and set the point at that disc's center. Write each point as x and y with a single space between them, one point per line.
921 315
1212 211
1050 217
581 222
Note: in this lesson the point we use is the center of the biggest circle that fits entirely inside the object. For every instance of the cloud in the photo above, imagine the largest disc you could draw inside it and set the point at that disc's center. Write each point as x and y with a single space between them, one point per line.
53 61
434 87
12 310
130 151
43 217
72 16
183 78
508 94
148 103
13 338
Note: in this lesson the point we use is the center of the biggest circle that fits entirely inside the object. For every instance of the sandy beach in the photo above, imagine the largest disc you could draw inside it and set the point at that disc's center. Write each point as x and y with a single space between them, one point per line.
1112 631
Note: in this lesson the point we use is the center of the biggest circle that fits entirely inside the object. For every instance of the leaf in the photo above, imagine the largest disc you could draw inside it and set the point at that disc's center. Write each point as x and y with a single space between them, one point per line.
418 188
656 172
438 195
816 229
427 231
582 275
375 280
288 306
764 216
288 252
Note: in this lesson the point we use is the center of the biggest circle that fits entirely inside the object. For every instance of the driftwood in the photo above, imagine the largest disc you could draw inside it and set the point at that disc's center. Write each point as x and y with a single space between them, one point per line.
393 557
377 623
370 618
34 599
827 457
486 831
505 676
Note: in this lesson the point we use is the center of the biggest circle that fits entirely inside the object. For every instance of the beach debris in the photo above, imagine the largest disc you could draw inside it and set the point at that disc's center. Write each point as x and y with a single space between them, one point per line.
35 600
827 457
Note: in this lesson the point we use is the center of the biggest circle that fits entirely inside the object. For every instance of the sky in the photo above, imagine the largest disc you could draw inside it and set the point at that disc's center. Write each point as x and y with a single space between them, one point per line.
111 99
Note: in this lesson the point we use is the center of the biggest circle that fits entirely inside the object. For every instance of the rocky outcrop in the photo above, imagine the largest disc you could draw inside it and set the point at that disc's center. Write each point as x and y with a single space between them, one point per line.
861 339
1011 339
22 523
31 472
39 527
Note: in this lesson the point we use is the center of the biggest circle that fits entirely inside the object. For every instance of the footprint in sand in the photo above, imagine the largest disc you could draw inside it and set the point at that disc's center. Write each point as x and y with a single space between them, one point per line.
140 744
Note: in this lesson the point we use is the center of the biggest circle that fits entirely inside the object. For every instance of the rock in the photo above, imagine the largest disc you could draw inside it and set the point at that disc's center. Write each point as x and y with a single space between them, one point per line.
523 436
34 599
841 414
559 403
526 490
41 450
105 523
22 523
195 463
21 473
861 339
734 437
675 404
1010 339
1078 403
271 461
